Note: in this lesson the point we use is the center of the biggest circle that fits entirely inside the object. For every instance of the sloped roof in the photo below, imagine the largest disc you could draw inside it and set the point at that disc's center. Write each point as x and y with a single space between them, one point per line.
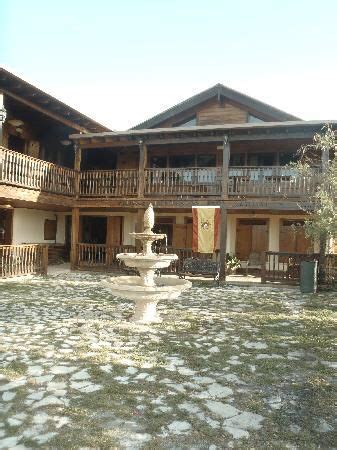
26 92
219 90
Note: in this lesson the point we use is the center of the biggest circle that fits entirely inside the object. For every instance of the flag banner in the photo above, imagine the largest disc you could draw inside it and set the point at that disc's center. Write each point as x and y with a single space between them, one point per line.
206 221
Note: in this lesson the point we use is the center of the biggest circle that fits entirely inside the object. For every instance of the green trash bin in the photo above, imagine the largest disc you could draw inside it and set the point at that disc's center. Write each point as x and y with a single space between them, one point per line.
308 277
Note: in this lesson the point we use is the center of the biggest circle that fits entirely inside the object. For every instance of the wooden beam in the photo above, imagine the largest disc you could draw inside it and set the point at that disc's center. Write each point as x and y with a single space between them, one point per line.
225 164
142 165
273 135
223 242
45 111
77 168
75 228
2 117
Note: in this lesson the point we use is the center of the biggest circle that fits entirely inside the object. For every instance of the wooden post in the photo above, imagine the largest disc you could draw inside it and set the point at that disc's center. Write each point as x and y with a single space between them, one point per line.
141 170
2 117
263 267
223 242
323 237
225 164
77 168
75 226
44 260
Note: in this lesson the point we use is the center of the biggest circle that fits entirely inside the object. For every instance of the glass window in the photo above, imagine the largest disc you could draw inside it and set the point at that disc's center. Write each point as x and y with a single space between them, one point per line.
237 159
254 119
261 159
182 161
287 158
206 160
190 122
159 162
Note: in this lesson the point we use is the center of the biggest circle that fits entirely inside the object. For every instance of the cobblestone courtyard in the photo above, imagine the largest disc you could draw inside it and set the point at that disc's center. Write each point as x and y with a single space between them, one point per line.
229 367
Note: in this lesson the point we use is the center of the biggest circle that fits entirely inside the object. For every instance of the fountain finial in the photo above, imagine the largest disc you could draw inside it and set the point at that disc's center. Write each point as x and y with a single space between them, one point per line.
149 219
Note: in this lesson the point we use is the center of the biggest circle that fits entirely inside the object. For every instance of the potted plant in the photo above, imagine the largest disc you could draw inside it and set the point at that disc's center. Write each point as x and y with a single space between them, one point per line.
232 263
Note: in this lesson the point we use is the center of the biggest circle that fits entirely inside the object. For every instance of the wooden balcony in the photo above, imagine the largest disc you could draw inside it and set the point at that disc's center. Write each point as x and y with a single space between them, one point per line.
198 181
25 171
109 183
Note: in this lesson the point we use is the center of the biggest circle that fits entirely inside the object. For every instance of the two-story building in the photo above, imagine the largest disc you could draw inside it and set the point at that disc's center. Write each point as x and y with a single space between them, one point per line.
66 179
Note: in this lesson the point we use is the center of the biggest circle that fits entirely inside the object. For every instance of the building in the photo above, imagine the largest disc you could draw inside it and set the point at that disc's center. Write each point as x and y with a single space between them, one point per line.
69 181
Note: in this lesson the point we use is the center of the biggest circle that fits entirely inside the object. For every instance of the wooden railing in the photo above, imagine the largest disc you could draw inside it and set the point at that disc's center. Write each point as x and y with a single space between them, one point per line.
100 256
25 171
25 259
284 267
109 183
270 181
190 181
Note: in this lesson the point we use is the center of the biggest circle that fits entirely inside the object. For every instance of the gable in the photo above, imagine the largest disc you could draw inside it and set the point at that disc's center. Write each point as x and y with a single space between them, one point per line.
217 105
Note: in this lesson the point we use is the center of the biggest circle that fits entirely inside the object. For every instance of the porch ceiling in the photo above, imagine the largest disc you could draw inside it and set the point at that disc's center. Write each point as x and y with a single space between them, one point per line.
208 133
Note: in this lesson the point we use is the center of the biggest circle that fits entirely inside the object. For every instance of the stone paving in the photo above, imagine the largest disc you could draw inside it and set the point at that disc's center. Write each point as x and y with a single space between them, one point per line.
229 367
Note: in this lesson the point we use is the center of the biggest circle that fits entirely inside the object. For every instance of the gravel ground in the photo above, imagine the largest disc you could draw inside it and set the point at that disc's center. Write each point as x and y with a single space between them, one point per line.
228 367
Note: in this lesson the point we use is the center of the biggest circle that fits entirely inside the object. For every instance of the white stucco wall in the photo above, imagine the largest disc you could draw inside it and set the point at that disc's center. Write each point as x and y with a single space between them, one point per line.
28 226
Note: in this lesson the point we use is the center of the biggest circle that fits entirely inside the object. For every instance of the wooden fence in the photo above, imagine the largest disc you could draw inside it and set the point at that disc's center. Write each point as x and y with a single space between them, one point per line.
25 171
275 181
285 267
100 256
109 183
16 260
187 181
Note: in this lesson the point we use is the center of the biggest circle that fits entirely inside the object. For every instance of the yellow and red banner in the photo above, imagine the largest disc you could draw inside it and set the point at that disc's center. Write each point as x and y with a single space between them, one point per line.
206 221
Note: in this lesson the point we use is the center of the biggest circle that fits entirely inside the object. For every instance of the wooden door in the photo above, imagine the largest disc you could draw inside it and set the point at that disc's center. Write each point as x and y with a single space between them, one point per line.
114 234
243 241
259 238
179 236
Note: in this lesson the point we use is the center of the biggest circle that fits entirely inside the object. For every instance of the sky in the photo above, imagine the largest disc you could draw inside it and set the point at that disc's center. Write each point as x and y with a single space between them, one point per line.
121 62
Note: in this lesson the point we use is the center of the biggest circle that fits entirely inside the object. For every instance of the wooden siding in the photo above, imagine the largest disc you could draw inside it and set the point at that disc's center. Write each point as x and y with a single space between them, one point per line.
218 113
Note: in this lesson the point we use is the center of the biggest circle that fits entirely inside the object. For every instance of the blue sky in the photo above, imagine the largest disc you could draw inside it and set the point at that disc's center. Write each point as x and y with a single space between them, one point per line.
120 62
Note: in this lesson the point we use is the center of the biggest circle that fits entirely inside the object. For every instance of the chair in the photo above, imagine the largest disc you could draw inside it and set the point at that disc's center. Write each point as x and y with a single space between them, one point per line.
254 261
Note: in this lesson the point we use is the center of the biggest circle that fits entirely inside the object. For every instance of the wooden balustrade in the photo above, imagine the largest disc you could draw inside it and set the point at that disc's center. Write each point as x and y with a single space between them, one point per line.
270 181
25 259
190 181
274 181
109 183
284 267
25 171
100 256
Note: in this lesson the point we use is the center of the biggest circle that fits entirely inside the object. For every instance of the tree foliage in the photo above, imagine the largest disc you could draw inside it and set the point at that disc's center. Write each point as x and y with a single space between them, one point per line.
322 219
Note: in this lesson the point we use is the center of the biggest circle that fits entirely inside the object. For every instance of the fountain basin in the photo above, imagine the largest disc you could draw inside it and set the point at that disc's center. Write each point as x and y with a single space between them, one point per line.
151 261
165 288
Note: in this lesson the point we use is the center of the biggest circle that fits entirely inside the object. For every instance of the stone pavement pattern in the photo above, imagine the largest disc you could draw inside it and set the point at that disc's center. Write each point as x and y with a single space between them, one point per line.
228 368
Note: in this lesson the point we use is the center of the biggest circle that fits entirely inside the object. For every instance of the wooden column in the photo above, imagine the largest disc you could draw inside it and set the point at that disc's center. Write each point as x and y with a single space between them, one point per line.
141 169
77 168
223 242
225 164
323 237
2 117
44 260
75 227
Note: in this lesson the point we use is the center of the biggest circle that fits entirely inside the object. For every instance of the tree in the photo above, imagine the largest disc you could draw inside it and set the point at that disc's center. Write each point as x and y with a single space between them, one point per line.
321 224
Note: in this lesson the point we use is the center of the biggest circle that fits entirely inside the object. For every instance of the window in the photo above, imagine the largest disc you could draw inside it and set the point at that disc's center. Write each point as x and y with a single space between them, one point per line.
189 122
182 161
50 227
206 160
253 119
287 158
159 162
261 159
237 159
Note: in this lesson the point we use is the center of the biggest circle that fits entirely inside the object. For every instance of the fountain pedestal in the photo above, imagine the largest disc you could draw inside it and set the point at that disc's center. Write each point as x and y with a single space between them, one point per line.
146 290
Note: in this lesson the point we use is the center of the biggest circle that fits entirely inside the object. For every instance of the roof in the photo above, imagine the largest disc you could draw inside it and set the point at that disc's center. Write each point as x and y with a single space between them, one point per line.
219 90
21 90
242 131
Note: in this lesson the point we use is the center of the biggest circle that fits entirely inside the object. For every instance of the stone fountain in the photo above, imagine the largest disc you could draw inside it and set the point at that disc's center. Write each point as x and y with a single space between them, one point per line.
147 289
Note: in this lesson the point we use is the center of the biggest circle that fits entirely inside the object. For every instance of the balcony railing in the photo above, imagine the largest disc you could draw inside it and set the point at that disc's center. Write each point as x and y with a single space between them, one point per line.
270 181
25 171
275 181
109 183
198 181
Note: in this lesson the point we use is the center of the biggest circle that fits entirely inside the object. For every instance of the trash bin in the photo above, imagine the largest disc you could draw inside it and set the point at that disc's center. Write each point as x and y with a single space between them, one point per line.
308 277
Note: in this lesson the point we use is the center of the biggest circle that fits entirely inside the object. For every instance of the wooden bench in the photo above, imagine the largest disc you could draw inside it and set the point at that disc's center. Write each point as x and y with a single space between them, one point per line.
200 267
